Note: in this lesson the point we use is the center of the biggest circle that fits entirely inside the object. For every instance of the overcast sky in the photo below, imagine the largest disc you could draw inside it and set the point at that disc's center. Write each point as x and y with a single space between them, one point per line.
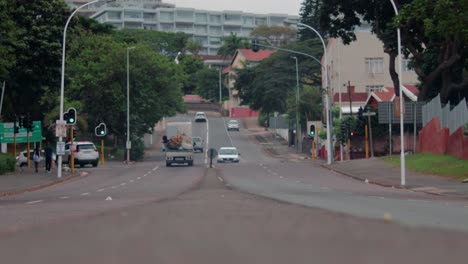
290 7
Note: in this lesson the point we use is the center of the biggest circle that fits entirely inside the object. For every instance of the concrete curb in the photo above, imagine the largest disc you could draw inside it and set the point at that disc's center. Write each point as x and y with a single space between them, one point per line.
391 186
42 186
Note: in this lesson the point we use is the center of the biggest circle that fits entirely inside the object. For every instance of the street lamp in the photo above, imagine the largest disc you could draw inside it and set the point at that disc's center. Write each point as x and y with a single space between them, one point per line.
128 144
400 84
62 82
297 105
327 100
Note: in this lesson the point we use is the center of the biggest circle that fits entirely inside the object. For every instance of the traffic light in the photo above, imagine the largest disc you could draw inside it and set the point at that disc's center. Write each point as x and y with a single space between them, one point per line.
312 131
28 123
255 46
351 134
343 133
100 130
70 116
21 121
15 128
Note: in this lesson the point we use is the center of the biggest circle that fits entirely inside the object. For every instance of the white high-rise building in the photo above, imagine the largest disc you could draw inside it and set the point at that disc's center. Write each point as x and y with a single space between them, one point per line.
206 27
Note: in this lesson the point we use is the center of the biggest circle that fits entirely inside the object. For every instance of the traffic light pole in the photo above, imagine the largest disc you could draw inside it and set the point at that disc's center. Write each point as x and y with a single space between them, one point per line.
72 155
28 147
102 151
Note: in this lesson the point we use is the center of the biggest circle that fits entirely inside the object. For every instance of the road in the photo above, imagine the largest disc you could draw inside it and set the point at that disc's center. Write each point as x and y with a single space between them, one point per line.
262 210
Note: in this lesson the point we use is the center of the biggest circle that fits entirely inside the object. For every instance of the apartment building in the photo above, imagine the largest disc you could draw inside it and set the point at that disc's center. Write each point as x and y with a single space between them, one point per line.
363 65
206 27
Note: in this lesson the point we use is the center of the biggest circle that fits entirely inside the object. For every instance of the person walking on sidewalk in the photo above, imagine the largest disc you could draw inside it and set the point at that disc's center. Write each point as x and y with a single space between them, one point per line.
37 158
48 157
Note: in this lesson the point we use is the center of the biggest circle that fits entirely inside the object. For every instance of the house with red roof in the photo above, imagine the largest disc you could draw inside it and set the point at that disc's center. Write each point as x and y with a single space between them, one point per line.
242 58
350 102
388 95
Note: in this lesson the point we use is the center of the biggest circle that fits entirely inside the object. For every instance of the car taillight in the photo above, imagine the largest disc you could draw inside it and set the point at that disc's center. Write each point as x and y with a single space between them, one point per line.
96 150
76 150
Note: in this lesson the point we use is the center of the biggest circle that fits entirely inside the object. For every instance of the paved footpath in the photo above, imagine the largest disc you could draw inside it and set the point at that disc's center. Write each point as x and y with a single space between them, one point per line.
372 170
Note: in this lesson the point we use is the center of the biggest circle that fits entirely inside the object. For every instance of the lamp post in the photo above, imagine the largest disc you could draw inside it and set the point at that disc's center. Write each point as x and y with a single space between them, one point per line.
128 144
327 100
297 105
400 84
62 82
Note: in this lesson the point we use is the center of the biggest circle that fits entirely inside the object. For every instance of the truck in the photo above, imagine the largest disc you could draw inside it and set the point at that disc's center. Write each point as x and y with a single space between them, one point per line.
178 143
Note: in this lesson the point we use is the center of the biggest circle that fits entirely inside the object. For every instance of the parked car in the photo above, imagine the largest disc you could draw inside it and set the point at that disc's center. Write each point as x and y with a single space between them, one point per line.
200 117
22 158
197 144
233 125
228 154
85 152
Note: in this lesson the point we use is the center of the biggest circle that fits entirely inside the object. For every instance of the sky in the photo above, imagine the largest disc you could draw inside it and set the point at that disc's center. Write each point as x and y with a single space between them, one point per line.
290 7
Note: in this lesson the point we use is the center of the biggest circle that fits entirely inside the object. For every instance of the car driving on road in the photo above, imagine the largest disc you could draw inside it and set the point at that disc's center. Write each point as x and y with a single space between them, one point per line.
197 144
228 154
84 152
200 117
233 125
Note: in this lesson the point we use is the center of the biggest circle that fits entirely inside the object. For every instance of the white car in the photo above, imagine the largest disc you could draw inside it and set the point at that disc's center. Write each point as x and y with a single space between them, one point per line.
200 117
85 152
228 154
233 125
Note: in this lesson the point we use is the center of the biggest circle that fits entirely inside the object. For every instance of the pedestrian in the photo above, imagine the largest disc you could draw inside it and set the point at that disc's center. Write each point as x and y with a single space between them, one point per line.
37 158
48 157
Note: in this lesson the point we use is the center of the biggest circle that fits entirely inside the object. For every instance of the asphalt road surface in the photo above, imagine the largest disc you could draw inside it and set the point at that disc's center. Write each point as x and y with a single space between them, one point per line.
262 210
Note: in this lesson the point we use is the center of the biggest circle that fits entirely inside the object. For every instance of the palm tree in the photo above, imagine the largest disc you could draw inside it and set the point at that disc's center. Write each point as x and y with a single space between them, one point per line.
231 44
194 47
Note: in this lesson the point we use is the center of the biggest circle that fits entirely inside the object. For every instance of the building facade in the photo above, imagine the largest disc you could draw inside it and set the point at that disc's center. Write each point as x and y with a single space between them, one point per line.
206 27
362 64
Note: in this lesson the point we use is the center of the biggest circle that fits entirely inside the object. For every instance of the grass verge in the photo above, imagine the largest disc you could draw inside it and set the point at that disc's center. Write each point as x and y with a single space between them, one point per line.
443 165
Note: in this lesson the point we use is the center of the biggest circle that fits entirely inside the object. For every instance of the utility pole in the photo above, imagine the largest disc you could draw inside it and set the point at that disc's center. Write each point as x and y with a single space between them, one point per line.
350 99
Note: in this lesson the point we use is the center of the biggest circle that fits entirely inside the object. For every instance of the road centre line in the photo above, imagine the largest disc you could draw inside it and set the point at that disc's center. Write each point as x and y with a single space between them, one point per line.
100 190
33 202
149 172
114 187
123 184
138 178
84 194
221 179
64 197
131 181
145 175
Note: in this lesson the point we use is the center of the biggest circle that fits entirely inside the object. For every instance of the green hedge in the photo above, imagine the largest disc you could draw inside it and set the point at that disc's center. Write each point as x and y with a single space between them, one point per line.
7 163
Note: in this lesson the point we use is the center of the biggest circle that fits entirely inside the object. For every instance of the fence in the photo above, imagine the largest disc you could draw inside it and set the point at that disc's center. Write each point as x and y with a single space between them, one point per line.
451 119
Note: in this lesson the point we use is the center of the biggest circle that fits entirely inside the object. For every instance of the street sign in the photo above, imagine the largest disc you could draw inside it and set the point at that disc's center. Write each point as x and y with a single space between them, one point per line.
369 113
60 128
7 133
60 148
129 145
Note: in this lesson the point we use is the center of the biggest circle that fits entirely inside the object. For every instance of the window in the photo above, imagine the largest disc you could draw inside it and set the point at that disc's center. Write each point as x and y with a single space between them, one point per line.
374 88
113 15
216 30
248 21
215 19
166 17
232 18
200 29
215 41
200 18
406 64
260 21
374 65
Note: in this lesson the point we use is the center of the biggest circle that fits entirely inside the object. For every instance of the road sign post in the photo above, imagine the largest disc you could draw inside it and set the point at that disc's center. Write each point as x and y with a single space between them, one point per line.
72 155
369 114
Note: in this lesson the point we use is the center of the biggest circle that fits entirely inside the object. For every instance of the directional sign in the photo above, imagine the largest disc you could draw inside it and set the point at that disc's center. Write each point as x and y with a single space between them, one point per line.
7 133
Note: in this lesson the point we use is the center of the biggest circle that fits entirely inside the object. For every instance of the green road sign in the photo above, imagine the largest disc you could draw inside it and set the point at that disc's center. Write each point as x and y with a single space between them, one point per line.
7 136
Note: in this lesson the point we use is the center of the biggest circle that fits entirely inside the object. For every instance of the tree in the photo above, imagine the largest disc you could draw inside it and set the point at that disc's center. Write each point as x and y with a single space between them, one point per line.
190 65
208 84
39 28
310 15
433 36
194 47
275 35
231 44
8 38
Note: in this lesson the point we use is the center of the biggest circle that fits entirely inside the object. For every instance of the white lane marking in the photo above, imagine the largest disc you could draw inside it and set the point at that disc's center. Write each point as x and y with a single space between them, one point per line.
100 190
221 179
131 180
155 168
114 187
229 135
378 197
123 184
84 194
274 173
281 177
33 202
145 175
207 141
324 188
149 172
138 178
64 197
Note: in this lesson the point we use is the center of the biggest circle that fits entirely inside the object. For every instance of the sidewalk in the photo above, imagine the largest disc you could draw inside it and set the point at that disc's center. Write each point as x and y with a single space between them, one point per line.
27 180
373 170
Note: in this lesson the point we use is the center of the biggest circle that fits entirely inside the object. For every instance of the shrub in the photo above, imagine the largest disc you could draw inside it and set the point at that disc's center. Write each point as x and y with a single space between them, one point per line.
137 151
7 163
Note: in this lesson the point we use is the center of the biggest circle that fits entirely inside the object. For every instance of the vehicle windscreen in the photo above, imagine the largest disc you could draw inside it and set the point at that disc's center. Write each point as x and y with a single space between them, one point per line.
83 147
228 151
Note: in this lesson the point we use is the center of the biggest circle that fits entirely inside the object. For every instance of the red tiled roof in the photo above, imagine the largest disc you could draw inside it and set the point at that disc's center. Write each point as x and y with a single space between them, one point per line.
355 97
386 96
256 56
412 88
227 69
214 57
